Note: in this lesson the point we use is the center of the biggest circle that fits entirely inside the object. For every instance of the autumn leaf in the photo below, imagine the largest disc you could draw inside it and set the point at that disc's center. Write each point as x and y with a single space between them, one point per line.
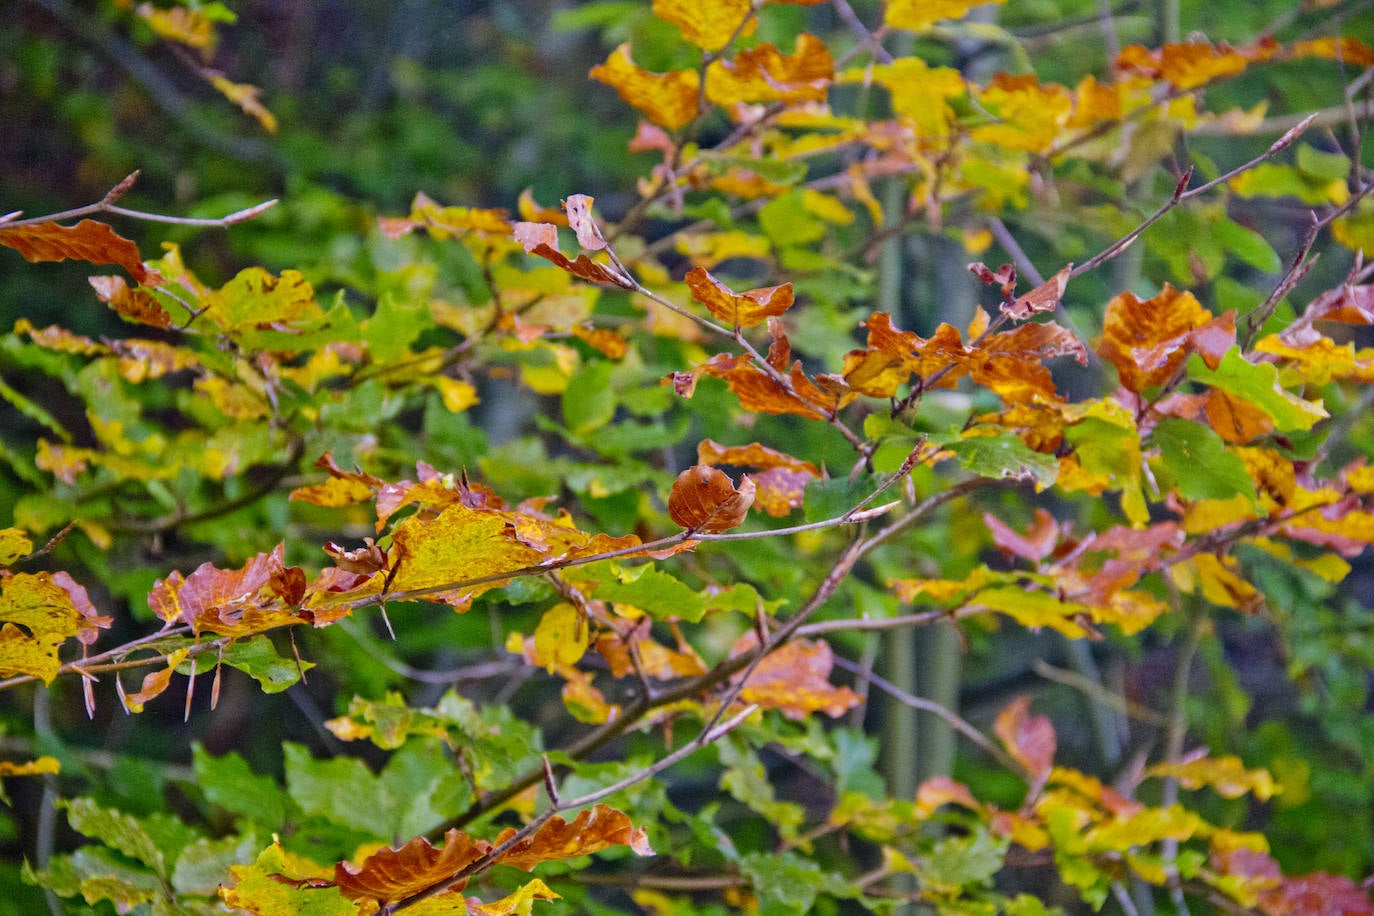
561 638
542 239
1148 340
667 99
15 544
704 499
1029 739
456 545
38 616
709 26
765 74
794 679
917 15
1226 775
1186 65
245 96
343 488
188 26
1044 298
154 684
88 241
394 874
136 305
593 830
739 310
231 602
780 480
443 222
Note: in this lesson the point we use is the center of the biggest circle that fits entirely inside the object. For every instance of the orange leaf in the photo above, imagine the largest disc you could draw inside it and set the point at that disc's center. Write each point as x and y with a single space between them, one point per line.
704 499
781 483
794 679
393 874
711 25
1148 340
941 790
137 305
1035 545
606 341
765 74
86 241
1187 65
542 239
532 211
154 684
231 602
1347 50
667 99
1029 739
1235 420
591 831
743 310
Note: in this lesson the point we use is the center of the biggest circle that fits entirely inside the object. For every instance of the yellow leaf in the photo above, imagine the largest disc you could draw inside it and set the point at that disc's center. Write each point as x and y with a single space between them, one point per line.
180 24
920 94
457 545
41 765
667 99
14 544
457 395
917 15
1218 581
561 637
519 903
708 25
246 97
38 616
1227 775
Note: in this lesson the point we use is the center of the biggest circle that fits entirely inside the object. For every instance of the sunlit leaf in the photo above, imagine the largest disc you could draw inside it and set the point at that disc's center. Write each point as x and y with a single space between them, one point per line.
743 309
765 74
561 637
921 14
709 26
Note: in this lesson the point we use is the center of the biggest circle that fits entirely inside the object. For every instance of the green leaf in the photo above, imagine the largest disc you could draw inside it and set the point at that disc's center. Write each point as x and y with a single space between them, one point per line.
831 498
778 171
426 786
342 791
1258 384
335 326
394 327
1247 245
115 829
229 782
746 779
260 885
257 657
1002 457
962 863
785 883
589 401
1321 165
204 865
656 593
1198 463
786 221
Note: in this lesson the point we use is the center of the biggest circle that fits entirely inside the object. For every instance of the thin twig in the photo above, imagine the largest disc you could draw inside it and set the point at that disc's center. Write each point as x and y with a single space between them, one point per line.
107 205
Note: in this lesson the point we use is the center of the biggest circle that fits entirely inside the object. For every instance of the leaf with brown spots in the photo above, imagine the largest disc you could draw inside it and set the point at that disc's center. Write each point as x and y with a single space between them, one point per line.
738 309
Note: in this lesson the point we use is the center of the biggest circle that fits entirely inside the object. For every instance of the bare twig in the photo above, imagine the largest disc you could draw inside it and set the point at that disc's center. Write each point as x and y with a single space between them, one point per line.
107 205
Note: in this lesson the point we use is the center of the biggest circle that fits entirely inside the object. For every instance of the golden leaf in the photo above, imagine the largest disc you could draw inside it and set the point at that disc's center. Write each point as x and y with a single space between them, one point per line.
667 99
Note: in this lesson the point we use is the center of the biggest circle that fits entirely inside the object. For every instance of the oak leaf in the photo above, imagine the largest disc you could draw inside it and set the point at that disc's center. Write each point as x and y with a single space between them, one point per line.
794 679
88 241
745 309
704 499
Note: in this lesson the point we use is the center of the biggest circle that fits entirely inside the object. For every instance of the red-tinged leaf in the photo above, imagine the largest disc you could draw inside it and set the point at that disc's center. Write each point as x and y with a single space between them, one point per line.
655 659
1004 278
743 309
230 602
137 305
542 239
88 241
705 499
579 210
1318 894
342 489
794 679
667 99
1044 298
593 830
38 616
1029 739
155 684
1035 545
762 393
92 621
1149 340
393 874
1348 304
765 74
365 560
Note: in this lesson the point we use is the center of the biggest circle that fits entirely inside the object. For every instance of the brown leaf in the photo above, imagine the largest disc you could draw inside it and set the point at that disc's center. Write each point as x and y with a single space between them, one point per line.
1044 298
86 241
231 602
366 560
542 239
794 679
394 874
1148 340
704 499
591 831
781 481
137 305
744 309
1029 739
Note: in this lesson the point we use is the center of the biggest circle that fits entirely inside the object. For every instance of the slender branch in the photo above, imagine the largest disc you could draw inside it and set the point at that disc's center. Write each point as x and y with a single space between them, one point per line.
107 205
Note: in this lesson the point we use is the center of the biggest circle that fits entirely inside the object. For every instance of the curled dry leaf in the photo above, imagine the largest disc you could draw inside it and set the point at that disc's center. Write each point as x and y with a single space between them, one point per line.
579 210
743 309
1044 298
705 499
88 240
542 239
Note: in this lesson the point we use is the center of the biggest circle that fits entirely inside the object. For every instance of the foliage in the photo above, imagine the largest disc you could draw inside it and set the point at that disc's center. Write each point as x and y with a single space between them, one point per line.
650 456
